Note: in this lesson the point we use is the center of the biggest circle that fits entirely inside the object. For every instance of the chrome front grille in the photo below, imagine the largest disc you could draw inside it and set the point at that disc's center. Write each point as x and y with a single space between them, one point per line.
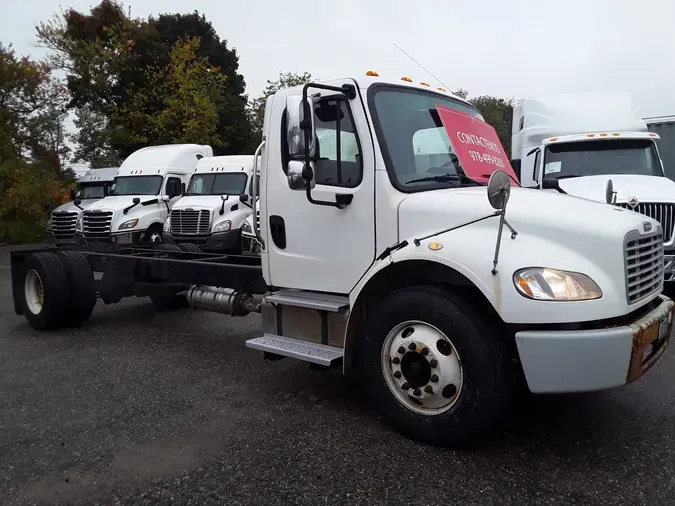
644 264
184 222
96 225
63 225
663 213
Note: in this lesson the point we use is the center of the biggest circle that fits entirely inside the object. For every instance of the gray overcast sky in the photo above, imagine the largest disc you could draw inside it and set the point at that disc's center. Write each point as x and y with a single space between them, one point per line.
508 48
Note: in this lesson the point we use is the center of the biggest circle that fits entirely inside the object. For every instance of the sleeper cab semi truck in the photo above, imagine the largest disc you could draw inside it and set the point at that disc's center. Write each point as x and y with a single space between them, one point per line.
147 184
91 187
577 143
210 215
436 290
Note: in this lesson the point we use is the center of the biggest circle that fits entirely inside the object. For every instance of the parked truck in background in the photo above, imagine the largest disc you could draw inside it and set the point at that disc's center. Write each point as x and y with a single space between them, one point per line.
435 289
147 184
664 127
577 143
91 187
210 215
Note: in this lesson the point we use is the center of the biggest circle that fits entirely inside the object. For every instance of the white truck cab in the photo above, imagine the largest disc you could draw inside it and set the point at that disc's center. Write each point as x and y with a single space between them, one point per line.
215 205
147 184
91 187
576 143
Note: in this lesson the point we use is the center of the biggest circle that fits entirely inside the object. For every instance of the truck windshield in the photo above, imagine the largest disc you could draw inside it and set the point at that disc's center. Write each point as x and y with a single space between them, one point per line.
595 158
224 183
413 140
92 191
136 185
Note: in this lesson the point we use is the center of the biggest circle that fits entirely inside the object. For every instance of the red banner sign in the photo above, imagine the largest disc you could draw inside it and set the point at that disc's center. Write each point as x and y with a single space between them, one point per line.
476 145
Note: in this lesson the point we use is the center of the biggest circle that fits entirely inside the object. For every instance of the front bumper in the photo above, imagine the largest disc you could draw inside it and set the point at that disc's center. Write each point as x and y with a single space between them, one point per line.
213 243
134 237
51 239
560 361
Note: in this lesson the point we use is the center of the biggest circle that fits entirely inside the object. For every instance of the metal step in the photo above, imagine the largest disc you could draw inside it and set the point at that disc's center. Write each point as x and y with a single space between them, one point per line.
294 348
310 300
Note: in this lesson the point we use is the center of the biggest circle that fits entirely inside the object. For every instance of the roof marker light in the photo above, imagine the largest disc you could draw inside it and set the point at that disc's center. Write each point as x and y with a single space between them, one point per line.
553 139
442 89
590 135
424 84
372 73
406 79
616 134
603 134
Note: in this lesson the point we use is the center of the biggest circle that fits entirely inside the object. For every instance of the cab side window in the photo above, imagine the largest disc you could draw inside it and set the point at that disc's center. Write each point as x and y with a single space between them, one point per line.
337 160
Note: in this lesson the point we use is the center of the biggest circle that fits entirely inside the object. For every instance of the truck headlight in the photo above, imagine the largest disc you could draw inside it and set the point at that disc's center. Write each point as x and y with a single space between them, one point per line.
223 226
128 224
246 227
167 225
541 283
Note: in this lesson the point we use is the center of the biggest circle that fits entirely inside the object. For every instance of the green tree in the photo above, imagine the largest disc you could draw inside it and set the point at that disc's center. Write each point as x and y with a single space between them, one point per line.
256 107
32 111
107 56
185 95
498 113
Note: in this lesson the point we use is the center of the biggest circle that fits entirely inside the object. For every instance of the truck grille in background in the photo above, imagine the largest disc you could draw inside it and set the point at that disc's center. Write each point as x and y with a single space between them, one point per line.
96 225
190 222
663 213
644 265
63 225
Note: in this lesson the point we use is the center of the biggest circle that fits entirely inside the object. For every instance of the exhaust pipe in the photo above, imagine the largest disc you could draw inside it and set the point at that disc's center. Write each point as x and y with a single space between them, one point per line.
223 300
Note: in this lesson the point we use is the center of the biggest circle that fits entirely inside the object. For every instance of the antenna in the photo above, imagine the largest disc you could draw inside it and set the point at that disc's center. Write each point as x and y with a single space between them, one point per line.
420 65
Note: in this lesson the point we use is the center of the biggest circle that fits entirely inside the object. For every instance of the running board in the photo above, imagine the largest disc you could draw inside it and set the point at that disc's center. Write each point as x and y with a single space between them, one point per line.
307 351
309 300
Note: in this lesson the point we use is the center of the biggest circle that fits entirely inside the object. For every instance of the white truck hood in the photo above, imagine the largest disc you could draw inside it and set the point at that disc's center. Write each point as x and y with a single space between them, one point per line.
544 214
206 202
117 203
69 207
644 188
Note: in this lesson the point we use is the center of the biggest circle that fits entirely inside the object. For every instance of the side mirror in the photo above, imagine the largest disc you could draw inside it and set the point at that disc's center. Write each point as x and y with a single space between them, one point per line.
136 200
515 165
243 198
295 175
296 110
72 194
165 198
182 188
550 183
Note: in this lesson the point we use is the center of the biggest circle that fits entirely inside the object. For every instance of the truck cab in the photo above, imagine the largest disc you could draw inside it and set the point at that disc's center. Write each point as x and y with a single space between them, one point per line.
215 205
91 187
145 187
577 143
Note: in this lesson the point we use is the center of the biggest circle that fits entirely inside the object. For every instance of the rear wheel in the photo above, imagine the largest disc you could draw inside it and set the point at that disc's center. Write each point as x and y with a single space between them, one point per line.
167 298
45 291
435 370
82 290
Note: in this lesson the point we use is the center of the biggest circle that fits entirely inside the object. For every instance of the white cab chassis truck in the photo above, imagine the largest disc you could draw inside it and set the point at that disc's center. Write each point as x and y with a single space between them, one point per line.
436 291
147 184
92 187
580 143
210 215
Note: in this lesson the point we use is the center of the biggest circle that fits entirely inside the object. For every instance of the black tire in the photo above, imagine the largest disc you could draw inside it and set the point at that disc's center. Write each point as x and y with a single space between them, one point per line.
54 281
483 398
190 247
153 229
167 299
82 290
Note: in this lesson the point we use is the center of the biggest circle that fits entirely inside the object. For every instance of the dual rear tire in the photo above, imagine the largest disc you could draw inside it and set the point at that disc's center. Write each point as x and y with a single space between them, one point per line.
58 289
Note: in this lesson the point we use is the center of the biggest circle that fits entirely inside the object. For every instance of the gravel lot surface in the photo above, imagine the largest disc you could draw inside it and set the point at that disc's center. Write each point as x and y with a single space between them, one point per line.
144 407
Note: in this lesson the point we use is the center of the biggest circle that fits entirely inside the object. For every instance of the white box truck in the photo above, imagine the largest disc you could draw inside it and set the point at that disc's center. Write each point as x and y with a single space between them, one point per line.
91 187
210 215
147 184
577 143
435 289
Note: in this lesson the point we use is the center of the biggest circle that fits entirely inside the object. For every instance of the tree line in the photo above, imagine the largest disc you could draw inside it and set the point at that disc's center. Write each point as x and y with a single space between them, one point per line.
129 82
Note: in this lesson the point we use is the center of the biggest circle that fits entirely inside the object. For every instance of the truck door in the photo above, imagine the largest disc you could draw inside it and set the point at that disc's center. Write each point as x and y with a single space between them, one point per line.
318 247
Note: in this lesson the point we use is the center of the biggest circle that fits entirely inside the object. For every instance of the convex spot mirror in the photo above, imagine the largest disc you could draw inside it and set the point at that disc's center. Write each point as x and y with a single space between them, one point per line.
295 173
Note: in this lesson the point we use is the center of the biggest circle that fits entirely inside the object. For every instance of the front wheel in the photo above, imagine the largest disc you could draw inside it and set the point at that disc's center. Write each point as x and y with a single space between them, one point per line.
435 370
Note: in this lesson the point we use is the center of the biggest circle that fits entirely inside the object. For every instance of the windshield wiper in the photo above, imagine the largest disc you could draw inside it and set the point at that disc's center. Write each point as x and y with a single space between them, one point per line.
443 178
513 178
567 176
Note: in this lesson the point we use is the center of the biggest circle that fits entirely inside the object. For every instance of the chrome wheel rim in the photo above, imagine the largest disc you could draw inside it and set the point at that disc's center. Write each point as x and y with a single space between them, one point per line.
422 368
34 292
